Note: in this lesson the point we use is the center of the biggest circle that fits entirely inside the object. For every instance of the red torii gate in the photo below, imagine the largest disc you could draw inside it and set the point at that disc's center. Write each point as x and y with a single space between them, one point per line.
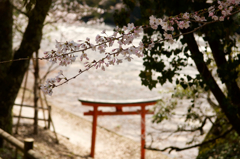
118 105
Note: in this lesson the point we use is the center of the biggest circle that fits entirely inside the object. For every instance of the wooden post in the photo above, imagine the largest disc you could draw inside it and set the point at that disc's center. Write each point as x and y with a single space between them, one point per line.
43 110
94 128
50 121
20 112
45 99
142 132
36 72
28 145
49 116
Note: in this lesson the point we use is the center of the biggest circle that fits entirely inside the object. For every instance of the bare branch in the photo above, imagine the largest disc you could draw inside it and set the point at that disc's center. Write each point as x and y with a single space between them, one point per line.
18 29
189 147
50 69
212 104
19 10
200 128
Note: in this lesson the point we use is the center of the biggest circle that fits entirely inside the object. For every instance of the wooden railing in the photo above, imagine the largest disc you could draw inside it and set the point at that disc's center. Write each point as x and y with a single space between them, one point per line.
43 119
26 147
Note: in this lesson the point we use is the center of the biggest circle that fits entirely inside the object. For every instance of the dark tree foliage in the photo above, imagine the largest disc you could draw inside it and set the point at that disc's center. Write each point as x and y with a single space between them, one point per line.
219 37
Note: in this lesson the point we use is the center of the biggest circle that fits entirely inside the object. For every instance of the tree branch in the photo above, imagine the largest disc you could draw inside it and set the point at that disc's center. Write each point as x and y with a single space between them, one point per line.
189 147
200 128
211 103
19 10
32 35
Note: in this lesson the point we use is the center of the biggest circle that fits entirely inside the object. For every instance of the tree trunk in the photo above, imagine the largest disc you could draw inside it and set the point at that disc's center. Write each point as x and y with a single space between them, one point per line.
228 108
5 55
11 74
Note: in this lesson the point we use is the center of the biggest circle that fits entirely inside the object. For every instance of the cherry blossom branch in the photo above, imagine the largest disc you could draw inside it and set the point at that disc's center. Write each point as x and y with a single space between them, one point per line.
65 51
94 63
126 39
